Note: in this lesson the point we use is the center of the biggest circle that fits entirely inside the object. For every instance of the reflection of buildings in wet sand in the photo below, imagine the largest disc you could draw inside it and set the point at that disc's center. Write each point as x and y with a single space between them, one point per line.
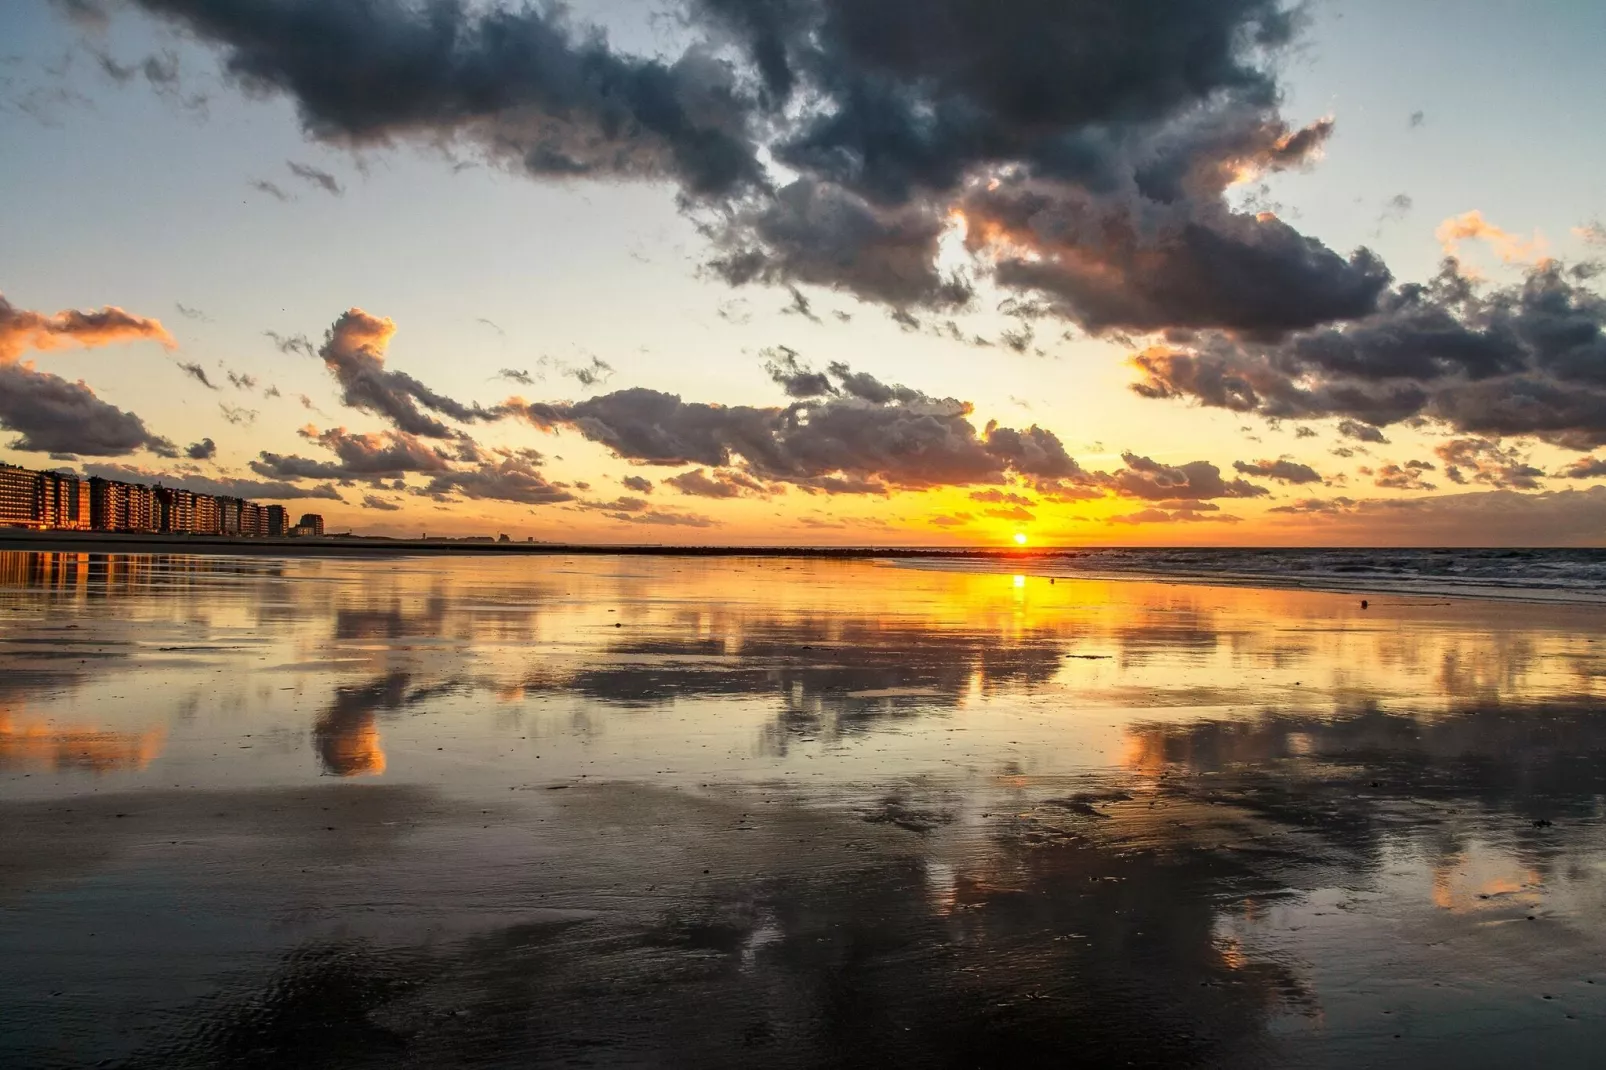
41 744
102 573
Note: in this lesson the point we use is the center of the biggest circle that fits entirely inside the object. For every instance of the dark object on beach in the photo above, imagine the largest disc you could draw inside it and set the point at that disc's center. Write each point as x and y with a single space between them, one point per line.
1364 603
1542 823
1051 581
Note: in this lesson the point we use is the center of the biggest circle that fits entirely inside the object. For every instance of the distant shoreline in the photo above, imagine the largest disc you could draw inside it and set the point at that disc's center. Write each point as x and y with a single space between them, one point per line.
340 546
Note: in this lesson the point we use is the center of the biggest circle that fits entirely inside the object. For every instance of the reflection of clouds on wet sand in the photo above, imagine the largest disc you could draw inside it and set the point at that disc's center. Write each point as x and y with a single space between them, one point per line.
799 812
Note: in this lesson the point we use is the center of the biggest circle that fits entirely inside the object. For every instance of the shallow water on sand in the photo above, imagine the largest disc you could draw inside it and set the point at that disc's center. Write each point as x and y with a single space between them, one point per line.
628 811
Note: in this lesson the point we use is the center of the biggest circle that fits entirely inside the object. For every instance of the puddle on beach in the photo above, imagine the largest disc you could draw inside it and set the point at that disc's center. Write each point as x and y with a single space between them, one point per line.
503 811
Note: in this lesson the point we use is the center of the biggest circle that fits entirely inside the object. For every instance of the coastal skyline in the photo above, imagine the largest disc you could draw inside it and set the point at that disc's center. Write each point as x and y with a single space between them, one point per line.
746 273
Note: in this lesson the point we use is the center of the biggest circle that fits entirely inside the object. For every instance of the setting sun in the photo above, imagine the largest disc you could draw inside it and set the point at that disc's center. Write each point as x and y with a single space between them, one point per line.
1020 538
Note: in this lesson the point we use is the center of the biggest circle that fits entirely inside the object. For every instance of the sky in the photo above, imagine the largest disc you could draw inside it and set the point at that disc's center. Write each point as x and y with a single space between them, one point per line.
850 272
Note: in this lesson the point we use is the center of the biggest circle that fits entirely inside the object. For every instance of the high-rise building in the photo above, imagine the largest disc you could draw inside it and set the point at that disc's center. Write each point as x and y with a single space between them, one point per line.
312 523
19 497
208 517
140 511
63 502
278 521
253 519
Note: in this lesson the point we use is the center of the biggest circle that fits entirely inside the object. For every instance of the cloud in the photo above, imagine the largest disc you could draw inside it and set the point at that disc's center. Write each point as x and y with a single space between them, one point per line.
1416 119
242 381
1591 233
312 176
1487 461
203 450
354 352
955 520
1485 518
22 330
589 375
1282 470
511 479
374 501
1000 497
238 415
1173 516
514 375
1014 512
661 518
861 437
272 189
1195 481
237 488
724 483
828 142
1523 359
1304 506
1407 477
198 373
51 415
361 456
520 84
191 313
639 484
1471 225
1584 468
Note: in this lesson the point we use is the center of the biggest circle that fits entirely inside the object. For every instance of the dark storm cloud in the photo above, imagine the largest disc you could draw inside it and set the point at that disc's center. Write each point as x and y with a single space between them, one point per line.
816 233
203 450
1112 129
239 488
1109 266
361 456
1195 481
51 415
314 177
861 436
354 352
520 83
1282 470
1524 359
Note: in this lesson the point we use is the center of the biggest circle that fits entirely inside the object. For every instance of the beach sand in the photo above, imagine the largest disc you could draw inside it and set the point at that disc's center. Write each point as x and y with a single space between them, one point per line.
441 811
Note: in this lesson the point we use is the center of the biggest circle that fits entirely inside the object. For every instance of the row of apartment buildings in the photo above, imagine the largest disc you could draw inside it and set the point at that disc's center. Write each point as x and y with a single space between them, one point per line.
63 502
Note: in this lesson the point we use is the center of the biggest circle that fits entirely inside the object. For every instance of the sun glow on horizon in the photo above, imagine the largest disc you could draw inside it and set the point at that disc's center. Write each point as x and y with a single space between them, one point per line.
1020 538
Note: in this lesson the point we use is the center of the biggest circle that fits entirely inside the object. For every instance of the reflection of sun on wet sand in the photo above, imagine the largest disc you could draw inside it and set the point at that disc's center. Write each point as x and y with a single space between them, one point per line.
40 744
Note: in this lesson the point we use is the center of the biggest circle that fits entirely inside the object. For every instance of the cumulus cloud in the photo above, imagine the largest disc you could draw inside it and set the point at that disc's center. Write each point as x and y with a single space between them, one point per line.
354 352
203 450
831 142
1401 477
1282 470
229 487
51 415
1487 461
1195 481
361 456
509 479
639 484
1523 359
22 330
374 501
520 84
856 435
723 483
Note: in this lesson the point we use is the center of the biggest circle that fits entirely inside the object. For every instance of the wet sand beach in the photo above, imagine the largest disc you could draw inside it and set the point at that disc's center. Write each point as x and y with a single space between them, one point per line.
666 811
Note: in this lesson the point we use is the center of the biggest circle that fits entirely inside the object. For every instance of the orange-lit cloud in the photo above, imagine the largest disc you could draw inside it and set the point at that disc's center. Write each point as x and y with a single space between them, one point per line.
1510 247
22 330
